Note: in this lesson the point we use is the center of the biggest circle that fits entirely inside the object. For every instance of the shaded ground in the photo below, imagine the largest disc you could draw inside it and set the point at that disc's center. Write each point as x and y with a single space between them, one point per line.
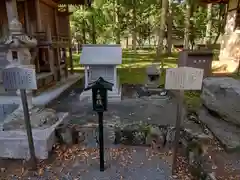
81 162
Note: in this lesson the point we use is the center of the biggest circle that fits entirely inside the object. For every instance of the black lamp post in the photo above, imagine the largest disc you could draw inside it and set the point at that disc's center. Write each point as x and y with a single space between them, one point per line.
100 101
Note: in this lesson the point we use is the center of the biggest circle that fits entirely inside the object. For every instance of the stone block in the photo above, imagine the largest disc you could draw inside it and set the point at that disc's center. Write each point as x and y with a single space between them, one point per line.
222 95
14 143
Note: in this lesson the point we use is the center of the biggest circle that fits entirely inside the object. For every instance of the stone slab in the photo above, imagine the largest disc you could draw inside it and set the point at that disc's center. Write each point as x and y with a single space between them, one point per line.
113 96
14 144
222 95
227 134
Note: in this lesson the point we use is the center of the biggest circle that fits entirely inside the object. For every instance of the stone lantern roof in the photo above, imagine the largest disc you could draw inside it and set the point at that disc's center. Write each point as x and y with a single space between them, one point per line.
15 27
17 39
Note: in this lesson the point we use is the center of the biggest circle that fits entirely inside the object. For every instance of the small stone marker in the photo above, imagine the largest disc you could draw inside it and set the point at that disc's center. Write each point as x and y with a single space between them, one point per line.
182 78
23 78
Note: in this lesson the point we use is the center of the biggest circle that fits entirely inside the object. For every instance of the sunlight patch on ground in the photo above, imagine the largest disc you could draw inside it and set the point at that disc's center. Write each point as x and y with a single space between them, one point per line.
137 65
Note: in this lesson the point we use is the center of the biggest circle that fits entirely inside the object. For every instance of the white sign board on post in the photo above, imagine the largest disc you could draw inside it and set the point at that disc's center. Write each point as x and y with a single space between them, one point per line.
23 78
19 78
184 78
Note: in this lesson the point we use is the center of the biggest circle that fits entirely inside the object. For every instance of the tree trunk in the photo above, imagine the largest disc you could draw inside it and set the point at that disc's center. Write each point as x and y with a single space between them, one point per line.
169 28
187 25
84 27
134 34
208 36
161 32
93 30
221 21
118 38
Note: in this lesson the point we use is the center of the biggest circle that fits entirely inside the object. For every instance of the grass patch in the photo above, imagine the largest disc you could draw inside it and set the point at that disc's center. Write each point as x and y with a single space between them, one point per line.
192 100
141 59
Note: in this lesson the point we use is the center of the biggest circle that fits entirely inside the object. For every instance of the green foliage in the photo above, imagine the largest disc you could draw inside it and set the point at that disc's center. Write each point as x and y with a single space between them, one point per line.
114 19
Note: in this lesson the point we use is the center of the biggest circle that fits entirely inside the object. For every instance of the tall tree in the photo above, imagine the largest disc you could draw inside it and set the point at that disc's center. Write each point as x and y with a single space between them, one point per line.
134 23
118 28
161 32
187 24
209 25
169 28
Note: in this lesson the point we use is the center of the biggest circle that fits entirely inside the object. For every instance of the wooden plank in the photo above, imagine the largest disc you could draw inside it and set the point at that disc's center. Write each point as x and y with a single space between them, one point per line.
11 7
50 3
57 49
50 54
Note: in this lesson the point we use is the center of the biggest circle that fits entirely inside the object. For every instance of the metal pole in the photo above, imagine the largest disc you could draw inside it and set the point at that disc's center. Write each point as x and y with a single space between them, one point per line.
101 141
33 159
177 126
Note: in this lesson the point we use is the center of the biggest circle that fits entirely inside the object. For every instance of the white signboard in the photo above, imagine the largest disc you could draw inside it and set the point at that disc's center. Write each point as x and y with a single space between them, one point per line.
184 78
19 78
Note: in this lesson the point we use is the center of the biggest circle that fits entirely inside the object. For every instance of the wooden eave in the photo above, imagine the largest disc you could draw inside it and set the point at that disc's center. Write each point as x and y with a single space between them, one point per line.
214 1
73 2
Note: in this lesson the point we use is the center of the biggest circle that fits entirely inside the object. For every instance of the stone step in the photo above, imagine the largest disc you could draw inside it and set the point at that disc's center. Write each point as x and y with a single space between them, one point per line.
90 136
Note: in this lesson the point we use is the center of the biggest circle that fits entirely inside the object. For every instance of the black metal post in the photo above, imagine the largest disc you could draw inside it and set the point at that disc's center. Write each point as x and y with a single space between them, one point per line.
28 128
177 130
101 141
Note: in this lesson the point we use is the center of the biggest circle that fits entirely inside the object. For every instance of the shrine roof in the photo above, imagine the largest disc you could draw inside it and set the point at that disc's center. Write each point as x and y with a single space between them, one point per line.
214 1
73 2
101 54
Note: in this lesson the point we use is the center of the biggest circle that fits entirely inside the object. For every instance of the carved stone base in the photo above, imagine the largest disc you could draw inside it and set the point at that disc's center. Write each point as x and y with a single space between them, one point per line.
41 118
14 143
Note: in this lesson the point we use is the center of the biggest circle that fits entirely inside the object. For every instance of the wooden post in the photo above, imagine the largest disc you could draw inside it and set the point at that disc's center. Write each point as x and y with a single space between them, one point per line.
50 54
57 48
86 76
38 29
70 45
26 17
38 16
11 6
177 130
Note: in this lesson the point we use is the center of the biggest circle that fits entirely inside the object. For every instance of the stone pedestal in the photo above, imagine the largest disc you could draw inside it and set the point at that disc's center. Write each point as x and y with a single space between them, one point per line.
14 142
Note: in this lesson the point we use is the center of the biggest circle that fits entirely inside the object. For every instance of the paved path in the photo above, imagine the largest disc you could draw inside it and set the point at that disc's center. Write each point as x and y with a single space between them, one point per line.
127 163
121 163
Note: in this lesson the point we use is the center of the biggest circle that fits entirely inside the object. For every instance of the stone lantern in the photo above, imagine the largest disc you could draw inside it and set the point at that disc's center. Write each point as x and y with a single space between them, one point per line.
19 44
152 86
18 55
153 77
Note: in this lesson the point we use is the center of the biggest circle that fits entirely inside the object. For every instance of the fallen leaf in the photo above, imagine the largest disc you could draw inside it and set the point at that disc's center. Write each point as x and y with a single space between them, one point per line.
40 171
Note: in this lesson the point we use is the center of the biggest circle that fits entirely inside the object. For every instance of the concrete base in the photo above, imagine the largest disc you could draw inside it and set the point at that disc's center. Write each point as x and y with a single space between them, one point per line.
14 144
113 96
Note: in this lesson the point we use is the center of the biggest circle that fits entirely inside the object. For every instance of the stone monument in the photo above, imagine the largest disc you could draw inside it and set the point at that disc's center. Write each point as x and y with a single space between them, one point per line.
101 61
43 121
153 77
152 86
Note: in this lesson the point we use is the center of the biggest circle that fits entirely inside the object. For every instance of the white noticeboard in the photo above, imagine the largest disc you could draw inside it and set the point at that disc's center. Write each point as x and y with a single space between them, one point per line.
19 78
184 78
